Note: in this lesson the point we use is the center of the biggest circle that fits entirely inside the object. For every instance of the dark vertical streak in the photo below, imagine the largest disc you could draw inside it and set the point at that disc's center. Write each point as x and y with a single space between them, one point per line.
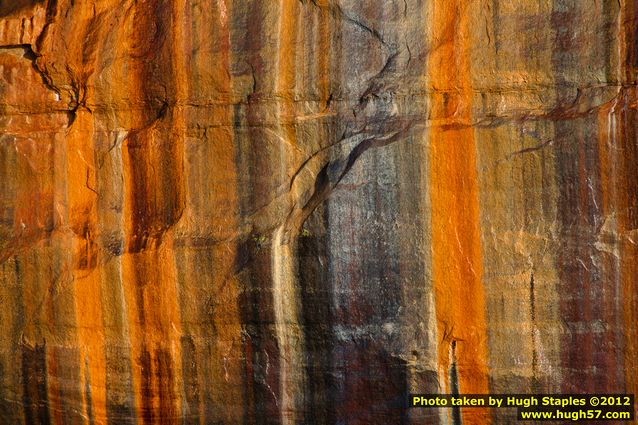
632 41
257 312
9 374
575 347
610 12
629 219
454 386
165 382
546 188
627 198
120 407
532 299
190 382
242 259
140 282
317 317
532 304
256 171
156 195
368 292
87 391
146 387
34 380
249 391
496 26
587 365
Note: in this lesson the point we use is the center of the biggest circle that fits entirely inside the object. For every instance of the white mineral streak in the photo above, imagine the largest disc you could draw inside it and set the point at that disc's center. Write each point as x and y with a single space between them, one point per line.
286 326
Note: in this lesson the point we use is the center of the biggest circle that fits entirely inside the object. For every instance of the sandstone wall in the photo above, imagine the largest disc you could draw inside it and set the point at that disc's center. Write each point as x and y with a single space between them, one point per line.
299 211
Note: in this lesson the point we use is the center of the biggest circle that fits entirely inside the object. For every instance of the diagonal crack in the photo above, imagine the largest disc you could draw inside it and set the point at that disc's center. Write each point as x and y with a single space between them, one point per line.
531 149
325 183
336 9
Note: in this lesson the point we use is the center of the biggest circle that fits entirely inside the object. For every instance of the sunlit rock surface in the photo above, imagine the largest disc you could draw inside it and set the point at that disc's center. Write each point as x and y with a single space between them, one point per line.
300 211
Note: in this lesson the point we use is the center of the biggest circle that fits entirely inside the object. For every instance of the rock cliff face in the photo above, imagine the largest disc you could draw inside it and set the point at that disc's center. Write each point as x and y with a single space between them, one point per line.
299 211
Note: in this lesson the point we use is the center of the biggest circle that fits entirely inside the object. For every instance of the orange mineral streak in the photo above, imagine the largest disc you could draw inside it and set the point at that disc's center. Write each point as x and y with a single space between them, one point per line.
627 221
286 77
628 273
456 250
82 216
617 150
152 156
287 49
324 48
149 284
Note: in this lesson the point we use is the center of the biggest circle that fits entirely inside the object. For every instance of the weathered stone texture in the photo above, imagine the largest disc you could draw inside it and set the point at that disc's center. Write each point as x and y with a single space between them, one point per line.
300 211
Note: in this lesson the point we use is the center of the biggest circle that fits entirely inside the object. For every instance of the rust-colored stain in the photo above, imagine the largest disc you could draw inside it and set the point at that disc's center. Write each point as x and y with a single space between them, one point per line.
618 154
627 201
456 247
82 198
152 159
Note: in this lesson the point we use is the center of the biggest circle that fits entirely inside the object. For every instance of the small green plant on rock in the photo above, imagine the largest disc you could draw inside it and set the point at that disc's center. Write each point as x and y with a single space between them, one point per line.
259 240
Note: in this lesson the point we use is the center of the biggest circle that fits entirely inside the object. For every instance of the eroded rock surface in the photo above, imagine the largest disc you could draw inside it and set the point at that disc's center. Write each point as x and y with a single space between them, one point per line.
300 211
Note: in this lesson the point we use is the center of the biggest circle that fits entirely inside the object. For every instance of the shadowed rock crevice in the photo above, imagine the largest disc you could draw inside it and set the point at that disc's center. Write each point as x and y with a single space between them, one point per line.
9 7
